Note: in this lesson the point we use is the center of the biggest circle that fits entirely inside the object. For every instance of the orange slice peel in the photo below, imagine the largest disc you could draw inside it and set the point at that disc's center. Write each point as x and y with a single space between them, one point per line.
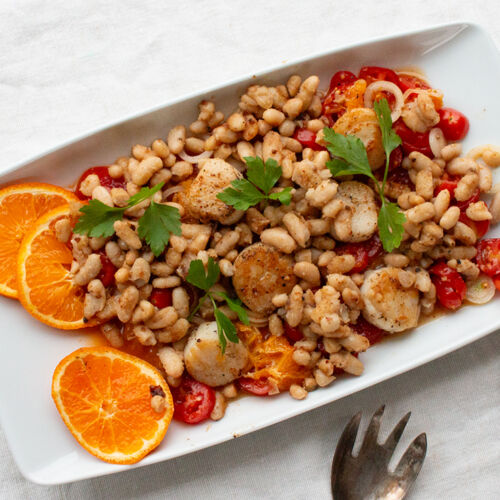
45 283
21 205
104 397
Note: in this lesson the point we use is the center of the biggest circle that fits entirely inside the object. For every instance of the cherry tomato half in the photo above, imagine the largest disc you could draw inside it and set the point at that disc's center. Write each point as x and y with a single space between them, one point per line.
453 123
374 73
449 185
496 281
104 178
161 297
340 79
488 256
107 272
260 387
411 82
480 227
412 141
193 401
307 138
364 252
371 332
450 286
293 334
396 158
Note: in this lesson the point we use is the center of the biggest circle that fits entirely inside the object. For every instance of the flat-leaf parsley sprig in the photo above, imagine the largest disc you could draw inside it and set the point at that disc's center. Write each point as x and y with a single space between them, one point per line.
350 158
261 178
205 281
155 226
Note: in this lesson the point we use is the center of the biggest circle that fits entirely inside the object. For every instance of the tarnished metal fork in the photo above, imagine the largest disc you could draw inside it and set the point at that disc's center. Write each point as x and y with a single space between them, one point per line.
367 476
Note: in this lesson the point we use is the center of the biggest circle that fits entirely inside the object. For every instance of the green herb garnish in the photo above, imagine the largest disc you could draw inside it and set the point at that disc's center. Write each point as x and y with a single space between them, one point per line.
351 159
261 178
155 226
206 280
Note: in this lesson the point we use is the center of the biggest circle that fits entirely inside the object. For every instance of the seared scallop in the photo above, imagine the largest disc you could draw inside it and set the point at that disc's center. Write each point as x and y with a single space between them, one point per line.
358 221
260 272
388 304
204 359
200 199
363 123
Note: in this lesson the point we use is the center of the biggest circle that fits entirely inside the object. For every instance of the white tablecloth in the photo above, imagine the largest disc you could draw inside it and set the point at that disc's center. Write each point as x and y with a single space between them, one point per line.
69 66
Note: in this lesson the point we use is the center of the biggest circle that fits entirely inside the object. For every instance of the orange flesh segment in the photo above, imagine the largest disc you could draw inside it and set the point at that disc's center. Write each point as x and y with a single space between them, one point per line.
45 283
20 206
104 397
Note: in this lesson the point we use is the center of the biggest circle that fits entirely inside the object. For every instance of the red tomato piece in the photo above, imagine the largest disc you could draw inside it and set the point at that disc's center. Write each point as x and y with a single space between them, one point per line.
496 280
449 185
411 82
293 334
260 387
488 256
341 79
450 286
193 401
104 178
307 138
161 297
371 332
364 252
374 73
453 123
396 158
462 205
107 272
412 141
480 227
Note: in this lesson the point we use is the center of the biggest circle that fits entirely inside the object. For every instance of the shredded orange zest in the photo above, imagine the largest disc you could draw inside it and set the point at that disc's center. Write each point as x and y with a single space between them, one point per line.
271 358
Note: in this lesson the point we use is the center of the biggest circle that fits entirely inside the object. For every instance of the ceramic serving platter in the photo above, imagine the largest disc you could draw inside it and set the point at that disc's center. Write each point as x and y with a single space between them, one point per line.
454 57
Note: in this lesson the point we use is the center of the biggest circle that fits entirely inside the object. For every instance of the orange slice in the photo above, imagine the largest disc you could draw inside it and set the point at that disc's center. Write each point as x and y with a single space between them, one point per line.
104 397
20 206
45 284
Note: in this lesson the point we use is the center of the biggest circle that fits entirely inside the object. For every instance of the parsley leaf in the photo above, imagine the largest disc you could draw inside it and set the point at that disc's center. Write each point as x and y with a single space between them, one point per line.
261 178
245 195
144 194
352 152
263 175
350 158
98 219
284 196
205 280
390 139
390 226
157 224
236 306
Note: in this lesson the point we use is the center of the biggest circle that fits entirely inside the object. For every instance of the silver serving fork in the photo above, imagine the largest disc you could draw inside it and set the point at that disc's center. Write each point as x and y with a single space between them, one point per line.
366 476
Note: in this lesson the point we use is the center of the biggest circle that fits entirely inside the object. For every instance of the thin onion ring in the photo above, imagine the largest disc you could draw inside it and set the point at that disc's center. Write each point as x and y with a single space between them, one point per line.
383 85
172 190
197 158
436 141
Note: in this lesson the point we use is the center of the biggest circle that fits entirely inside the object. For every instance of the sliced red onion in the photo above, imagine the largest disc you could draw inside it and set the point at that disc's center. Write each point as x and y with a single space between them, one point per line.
383 85
197 158
436 141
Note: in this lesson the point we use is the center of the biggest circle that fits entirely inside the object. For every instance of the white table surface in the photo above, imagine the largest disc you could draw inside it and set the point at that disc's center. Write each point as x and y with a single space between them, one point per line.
69 66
